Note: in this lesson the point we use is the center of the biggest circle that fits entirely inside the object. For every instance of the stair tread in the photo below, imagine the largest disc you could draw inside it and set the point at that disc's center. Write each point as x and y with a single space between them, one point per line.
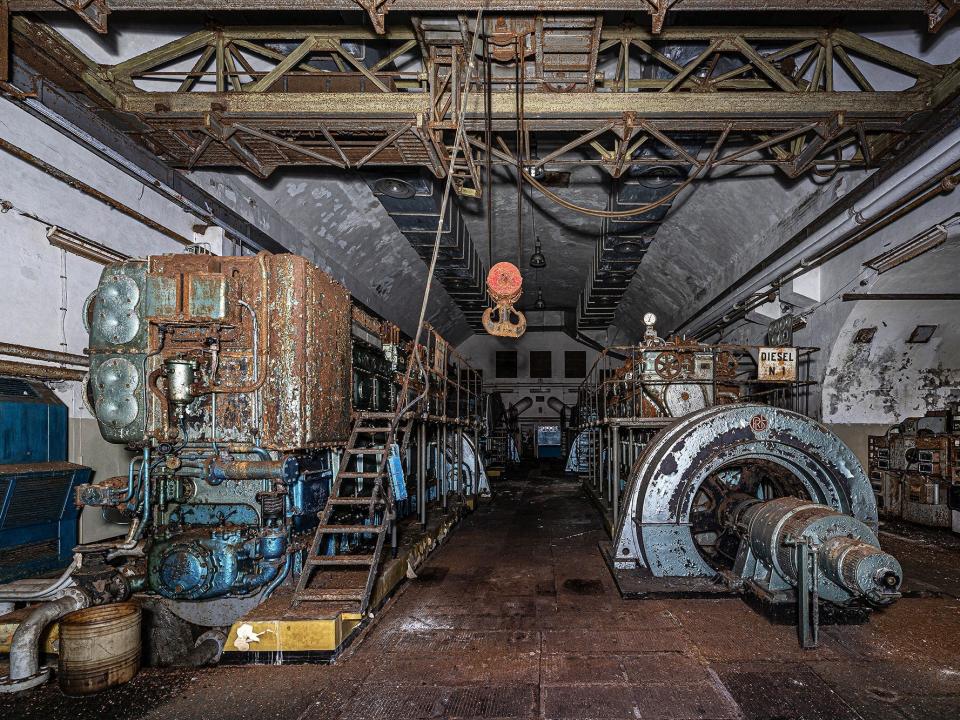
342 569
332 594
340 560
354 500
331 529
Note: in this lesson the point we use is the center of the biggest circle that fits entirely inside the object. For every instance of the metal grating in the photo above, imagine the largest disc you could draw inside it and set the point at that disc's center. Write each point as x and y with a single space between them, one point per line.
37 498
15 387
11 558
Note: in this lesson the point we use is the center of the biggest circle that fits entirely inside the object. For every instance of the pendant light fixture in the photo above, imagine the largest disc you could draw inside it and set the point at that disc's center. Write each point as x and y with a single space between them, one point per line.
539 304
538 260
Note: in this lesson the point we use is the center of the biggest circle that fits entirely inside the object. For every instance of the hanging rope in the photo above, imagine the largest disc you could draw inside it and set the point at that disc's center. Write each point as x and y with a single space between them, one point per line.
459 141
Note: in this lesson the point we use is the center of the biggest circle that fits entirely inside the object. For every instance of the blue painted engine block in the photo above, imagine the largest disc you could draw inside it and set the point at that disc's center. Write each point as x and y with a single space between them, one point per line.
218 536
199 564
219 524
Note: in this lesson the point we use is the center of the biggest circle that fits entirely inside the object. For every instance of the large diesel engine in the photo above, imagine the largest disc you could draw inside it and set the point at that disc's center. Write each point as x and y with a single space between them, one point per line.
230 377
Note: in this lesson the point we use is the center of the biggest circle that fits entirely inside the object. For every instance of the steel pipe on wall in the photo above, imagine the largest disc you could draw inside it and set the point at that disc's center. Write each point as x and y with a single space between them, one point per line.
32 353
903 186
41 372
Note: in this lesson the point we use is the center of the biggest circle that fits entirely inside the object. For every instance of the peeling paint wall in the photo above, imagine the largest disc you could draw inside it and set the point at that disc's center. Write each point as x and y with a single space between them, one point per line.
868 387
889 378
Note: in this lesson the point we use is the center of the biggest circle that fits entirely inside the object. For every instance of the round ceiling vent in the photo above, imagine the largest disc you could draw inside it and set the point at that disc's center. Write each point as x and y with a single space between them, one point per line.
656 177
628 247
395 188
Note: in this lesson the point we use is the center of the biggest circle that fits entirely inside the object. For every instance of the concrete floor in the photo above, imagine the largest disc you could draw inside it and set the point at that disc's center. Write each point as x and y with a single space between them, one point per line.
517 617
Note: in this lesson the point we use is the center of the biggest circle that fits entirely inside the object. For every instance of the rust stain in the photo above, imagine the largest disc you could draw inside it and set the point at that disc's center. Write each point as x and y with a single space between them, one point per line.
295 366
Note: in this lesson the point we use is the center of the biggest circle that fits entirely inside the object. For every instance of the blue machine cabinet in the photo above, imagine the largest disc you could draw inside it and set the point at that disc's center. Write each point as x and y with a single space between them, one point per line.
38 517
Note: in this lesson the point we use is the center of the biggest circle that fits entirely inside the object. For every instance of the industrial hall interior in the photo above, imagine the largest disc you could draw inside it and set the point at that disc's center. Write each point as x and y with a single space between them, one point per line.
462 359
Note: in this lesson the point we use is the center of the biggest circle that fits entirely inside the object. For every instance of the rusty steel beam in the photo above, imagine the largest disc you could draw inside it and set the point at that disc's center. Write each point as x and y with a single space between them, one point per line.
95 12
940 12
496 5
13 368
565 109
298 113
4 41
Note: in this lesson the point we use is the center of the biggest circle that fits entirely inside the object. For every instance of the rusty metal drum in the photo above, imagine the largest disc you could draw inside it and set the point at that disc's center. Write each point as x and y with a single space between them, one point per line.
99 648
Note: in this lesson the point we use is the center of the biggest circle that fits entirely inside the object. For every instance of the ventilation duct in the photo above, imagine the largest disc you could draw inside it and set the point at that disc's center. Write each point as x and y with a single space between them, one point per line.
414 202
624 242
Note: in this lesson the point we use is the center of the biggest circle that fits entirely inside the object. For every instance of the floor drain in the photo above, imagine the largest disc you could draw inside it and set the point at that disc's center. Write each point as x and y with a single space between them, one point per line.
583 587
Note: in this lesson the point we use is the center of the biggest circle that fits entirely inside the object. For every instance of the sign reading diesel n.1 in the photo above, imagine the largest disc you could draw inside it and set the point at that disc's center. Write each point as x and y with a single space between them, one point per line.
777 364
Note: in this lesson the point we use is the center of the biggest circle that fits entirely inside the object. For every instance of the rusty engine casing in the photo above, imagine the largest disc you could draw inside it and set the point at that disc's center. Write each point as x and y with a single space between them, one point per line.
231 376
269 334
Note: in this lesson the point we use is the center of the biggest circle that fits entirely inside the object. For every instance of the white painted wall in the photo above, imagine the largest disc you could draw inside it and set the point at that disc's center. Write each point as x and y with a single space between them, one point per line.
480 350
31 286
890 379
867 388
32 290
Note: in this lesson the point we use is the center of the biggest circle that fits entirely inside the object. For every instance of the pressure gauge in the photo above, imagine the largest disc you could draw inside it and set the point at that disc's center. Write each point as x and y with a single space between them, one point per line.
649 319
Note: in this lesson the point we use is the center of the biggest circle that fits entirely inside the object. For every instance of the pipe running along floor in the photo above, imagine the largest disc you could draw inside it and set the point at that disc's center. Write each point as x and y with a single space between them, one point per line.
518 617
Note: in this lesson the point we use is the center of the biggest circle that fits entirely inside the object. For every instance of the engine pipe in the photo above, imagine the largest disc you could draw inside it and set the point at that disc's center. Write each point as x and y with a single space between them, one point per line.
32 590
41 372
139 524
25 670
216 470
33 353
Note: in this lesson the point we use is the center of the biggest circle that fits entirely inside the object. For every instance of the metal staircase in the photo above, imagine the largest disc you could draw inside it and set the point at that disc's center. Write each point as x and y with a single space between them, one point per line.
344 556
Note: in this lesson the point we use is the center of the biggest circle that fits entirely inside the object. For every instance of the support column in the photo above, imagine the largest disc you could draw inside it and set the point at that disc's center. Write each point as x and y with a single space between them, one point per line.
601 480
616 473
422 473
443 478
475 480
438 465
459 456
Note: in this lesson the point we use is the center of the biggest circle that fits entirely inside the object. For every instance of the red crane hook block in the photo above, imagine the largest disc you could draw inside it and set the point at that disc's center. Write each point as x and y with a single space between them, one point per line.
505 285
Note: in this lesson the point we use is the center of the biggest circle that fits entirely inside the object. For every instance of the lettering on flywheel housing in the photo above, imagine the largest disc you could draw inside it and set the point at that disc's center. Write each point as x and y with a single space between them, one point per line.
759 423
